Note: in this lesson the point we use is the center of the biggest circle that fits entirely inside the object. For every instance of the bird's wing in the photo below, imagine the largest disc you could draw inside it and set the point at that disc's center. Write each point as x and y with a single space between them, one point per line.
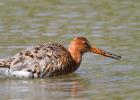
43 60
61 61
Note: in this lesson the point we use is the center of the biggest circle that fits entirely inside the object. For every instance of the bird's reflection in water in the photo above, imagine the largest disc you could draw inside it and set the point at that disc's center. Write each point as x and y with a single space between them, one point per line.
76 89
71 86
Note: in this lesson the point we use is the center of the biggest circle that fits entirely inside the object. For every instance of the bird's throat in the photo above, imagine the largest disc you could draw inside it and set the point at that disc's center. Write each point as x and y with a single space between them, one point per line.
76 55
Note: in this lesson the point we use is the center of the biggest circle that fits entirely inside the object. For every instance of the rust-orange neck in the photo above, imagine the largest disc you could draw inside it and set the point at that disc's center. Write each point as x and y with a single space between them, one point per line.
76 55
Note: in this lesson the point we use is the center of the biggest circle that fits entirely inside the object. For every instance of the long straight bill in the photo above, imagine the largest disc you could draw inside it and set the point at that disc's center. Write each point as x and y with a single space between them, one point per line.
104 53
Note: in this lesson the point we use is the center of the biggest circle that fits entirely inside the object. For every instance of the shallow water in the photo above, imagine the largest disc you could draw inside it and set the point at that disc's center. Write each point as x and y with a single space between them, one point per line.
113 25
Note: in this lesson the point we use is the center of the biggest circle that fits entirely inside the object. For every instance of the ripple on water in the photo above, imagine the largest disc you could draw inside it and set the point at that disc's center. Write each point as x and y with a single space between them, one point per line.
112 25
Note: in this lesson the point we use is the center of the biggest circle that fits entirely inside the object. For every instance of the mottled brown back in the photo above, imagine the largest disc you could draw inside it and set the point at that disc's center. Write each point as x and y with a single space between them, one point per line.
43 61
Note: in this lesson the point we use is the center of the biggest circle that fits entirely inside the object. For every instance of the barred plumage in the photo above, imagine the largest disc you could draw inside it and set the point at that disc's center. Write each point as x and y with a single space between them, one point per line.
48 60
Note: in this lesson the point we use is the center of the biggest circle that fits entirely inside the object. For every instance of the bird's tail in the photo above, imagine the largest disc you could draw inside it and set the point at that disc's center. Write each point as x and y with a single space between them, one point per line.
5 63
5 66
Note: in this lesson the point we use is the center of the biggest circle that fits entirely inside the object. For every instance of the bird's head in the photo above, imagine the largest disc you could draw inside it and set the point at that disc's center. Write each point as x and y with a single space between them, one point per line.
82 45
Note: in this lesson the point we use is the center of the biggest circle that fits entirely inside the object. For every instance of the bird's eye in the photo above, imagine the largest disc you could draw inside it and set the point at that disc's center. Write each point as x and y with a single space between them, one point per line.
85 43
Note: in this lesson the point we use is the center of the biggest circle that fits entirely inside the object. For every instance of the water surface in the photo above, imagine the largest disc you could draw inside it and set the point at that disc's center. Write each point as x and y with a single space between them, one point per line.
113 25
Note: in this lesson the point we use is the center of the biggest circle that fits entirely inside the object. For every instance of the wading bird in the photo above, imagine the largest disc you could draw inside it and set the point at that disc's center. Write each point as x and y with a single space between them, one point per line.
49 60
